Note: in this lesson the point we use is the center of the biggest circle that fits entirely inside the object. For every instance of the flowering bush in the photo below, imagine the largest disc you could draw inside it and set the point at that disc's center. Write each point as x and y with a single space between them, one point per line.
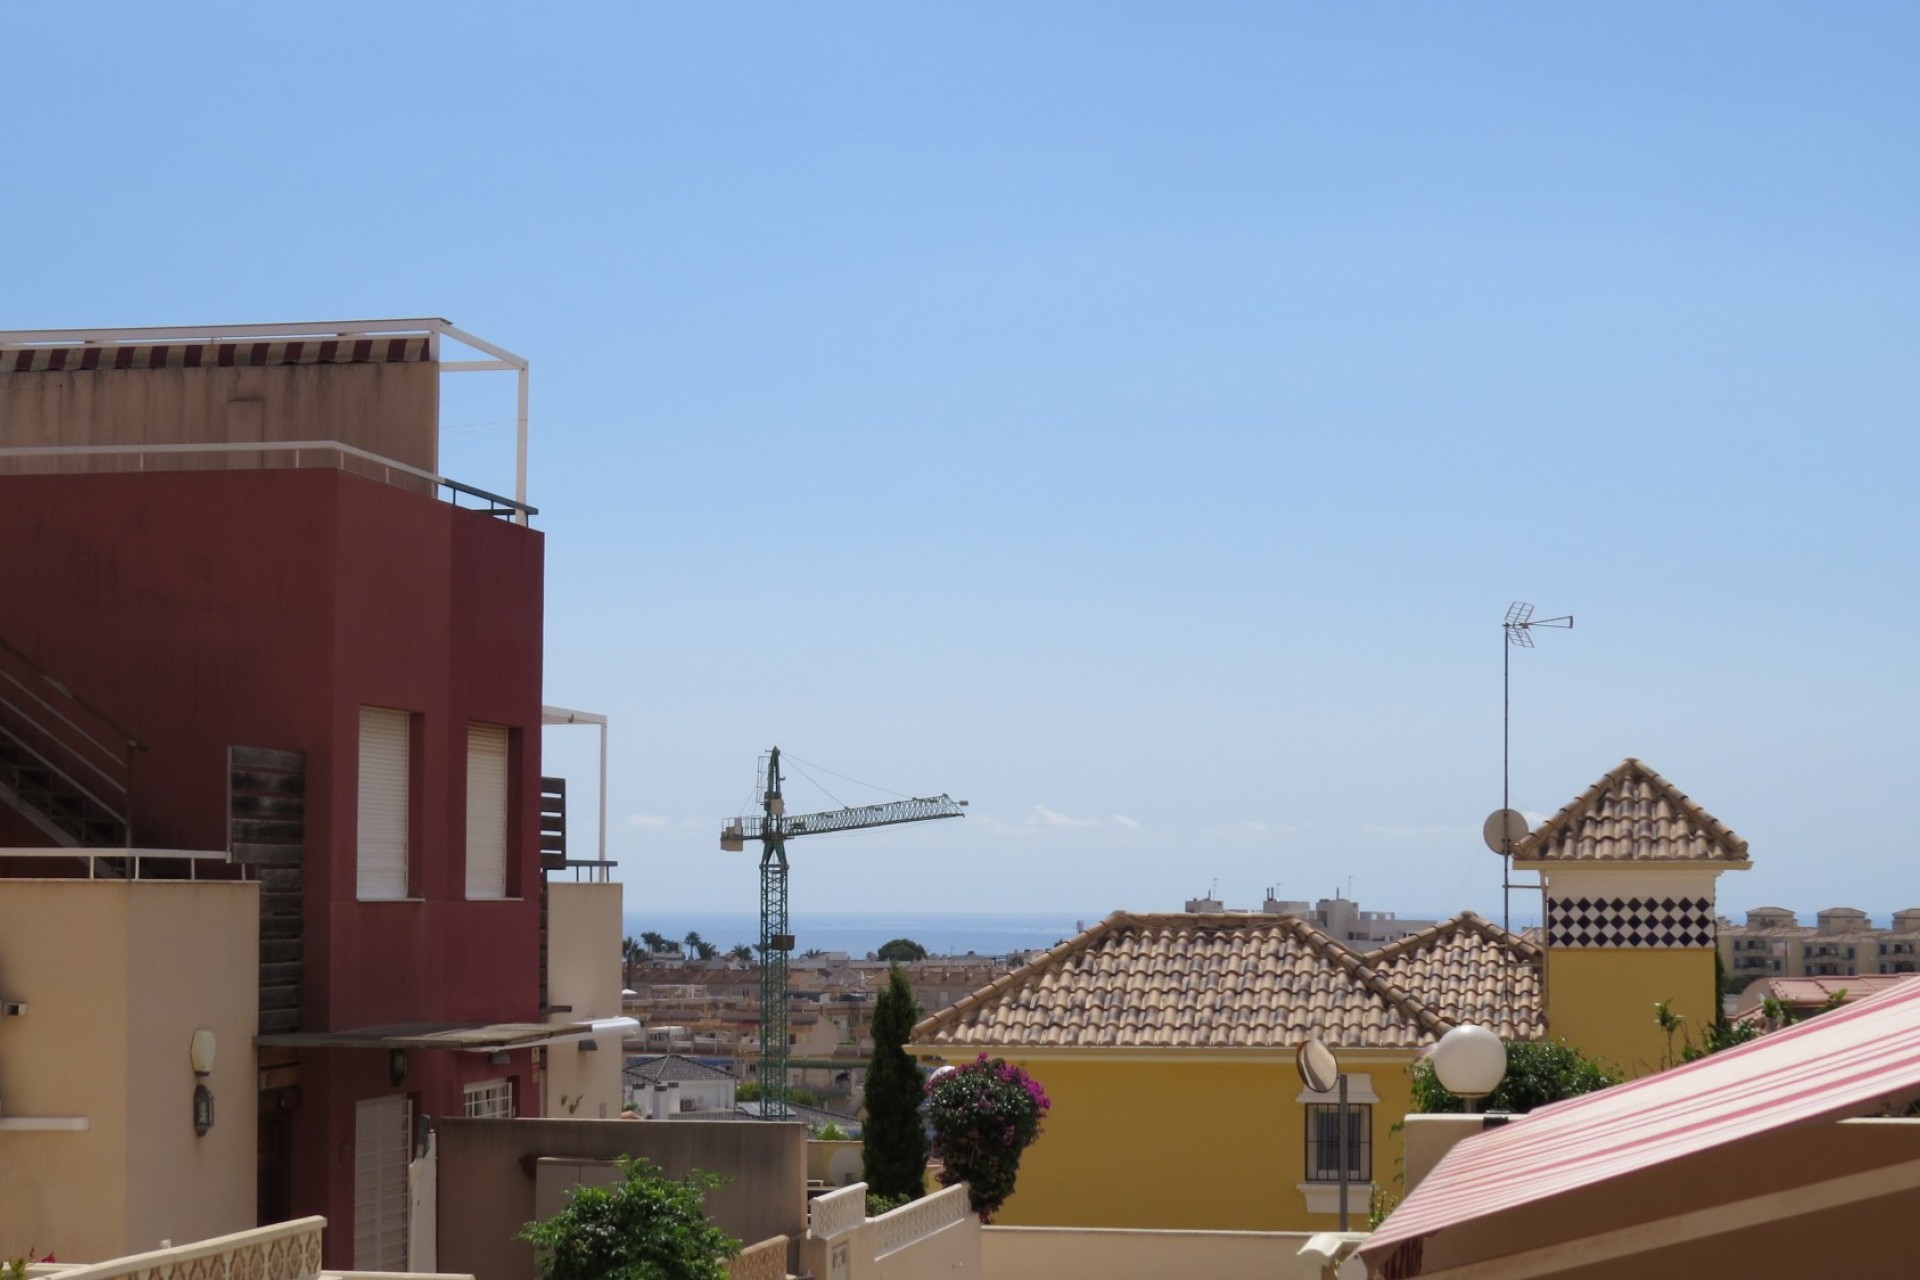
983 1116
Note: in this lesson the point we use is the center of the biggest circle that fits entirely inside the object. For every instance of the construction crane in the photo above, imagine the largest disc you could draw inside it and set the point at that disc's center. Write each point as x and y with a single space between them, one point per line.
772 830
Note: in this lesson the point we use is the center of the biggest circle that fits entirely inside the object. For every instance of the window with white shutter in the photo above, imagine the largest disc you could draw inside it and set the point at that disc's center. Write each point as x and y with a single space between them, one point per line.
386 770
382 1142
489 1100
486 811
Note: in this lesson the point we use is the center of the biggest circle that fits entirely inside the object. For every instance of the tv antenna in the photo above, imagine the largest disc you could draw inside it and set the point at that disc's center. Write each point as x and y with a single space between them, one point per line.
1505 827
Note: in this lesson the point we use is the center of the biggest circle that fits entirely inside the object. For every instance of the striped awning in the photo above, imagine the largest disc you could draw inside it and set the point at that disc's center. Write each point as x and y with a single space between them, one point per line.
1844 1063
214 355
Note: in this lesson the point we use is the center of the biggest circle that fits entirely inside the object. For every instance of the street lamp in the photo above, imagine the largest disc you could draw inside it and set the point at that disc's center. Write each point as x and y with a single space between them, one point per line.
1470 1060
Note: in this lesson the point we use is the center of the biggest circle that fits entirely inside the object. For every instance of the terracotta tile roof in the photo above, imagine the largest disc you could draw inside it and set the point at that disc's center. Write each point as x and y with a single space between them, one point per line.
1469 970
1631 814
1238 980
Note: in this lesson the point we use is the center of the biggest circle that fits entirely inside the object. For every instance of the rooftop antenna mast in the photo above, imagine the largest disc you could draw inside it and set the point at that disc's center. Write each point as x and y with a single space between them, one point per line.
1503 829
772 830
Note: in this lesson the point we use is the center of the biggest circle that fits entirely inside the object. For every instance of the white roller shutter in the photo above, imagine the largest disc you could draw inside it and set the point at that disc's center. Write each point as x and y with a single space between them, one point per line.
386 766
382 1143
486 811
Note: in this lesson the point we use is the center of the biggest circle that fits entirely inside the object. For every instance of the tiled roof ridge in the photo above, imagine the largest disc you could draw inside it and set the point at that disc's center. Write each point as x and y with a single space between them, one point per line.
1352 963
1575 809
966 1004
1465 922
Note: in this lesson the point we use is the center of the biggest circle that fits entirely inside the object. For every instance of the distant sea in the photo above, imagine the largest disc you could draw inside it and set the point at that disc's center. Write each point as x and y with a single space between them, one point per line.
858 933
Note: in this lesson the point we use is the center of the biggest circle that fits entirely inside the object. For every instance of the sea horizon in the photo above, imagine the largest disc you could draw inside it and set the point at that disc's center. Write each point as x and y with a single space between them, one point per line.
859 933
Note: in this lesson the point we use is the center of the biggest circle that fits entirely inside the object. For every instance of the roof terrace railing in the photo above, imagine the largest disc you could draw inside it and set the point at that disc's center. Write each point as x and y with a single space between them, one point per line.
300 453
433 328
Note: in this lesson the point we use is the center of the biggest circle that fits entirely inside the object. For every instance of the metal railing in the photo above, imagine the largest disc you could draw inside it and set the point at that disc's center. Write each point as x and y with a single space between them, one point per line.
132 860
68 736
500 505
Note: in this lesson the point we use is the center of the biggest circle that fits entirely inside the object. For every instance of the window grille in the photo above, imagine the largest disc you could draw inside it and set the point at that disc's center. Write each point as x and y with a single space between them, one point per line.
1323 1143
490 1100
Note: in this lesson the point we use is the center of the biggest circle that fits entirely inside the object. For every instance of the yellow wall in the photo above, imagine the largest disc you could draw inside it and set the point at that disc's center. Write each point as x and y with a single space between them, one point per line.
116 978
1200 1143
1601 1001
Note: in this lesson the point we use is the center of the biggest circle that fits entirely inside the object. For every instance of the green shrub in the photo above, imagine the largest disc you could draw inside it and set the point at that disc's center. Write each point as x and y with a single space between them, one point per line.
647 1226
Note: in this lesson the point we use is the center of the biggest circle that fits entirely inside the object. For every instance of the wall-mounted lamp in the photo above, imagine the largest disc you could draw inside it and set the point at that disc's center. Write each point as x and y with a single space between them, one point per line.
499 1058
200 1051
588 1046
397 1067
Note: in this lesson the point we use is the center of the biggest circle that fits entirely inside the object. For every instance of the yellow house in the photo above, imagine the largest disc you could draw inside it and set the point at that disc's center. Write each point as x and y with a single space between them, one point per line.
1167 1043
1629 869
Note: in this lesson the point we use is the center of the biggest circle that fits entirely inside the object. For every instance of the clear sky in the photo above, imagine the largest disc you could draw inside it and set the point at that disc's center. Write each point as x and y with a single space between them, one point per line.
1132 418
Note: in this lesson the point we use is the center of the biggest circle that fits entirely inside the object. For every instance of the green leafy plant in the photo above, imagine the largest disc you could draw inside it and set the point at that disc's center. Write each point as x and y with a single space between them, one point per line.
893 1141
984 1116
901 951
16 1268
647 1226
831 1132
1538 1072
1669 1024
878 1204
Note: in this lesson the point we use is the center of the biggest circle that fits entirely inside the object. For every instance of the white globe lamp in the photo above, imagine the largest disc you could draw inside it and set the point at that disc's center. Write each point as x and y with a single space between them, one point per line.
1470 1060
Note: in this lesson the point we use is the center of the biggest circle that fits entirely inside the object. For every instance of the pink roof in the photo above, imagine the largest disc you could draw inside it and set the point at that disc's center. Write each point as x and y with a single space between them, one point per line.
1839 1064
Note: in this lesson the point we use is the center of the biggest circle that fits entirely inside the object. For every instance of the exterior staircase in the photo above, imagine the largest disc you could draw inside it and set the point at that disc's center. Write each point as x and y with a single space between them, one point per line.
54 802
65 766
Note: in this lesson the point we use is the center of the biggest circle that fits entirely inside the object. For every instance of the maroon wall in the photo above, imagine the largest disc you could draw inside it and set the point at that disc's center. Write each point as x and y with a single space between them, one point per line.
265 608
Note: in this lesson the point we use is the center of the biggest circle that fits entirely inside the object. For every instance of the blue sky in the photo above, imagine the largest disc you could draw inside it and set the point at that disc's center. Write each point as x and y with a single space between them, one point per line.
1135 419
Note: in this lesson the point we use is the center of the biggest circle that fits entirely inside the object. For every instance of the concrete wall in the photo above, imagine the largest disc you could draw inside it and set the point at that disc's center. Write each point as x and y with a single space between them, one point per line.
1211 1142
117 977
583 972
1047 1253
391 409
488 1178
838 1164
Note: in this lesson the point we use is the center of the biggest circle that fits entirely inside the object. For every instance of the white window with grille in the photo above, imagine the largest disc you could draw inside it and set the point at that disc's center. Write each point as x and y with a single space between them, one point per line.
486 811
490 1100
382 1143
386 770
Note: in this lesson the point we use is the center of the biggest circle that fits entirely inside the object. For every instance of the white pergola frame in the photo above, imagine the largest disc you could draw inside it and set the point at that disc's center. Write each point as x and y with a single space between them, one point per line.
432 327
550 716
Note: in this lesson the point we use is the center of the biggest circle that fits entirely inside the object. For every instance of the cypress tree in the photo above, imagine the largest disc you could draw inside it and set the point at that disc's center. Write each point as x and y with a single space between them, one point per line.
894 1142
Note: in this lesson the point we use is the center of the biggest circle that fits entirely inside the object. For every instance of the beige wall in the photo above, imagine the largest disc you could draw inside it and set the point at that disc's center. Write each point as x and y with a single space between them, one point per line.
838 1164
389 409
583 972
488 1178
117 976
1047 1253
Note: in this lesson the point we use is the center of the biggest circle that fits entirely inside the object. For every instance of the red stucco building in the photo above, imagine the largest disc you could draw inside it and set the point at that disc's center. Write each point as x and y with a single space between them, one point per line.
236 551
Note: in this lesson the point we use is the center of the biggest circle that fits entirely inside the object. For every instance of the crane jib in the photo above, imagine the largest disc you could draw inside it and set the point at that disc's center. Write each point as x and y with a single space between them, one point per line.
919 809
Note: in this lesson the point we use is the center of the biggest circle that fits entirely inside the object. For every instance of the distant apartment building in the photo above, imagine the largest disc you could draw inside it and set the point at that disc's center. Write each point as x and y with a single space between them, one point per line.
1842 940
1338 917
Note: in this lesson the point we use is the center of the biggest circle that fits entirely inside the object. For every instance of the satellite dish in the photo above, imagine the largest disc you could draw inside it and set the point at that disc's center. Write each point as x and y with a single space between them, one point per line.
1504 828
1319 1069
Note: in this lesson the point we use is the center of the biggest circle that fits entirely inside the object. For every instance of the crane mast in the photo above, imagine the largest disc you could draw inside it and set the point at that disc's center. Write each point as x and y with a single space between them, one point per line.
772 830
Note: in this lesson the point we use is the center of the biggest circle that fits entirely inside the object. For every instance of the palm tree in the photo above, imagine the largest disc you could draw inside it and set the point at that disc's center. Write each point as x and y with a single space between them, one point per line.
741 951
630 954
701 947
656 942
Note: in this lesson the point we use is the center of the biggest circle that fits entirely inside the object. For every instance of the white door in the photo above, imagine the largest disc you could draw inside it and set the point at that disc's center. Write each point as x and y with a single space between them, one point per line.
382 1143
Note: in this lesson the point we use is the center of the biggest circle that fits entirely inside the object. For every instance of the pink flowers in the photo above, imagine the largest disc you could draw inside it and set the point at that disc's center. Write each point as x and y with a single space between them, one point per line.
983 1116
